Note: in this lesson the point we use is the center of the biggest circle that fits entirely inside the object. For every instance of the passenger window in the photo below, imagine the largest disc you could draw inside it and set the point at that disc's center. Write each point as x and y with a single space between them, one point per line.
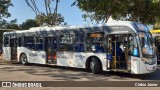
95 42
30 42
79 42
39 43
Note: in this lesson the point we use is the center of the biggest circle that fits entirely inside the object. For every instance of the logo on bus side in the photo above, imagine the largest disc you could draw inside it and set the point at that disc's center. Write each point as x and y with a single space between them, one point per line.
80 57
32 54
43 56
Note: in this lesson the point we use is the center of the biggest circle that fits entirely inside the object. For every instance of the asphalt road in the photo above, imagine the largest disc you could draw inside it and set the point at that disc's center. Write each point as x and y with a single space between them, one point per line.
34 72
53 73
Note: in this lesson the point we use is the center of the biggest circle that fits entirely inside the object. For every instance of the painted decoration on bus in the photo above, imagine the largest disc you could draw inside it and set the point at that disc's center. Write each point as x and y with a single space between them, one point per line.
142 27
65 55
79 57
67 38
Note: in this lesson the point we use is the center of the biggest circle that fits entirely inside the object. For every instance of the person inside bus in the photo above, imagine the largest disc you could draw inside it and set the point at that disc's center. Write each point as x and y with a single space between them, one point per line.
119 52
99 47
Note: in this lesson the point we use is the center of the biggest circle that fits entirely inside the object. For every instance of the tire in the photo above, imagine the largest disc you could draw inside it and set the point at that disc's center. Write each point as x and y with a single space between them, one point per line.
23 59
95 66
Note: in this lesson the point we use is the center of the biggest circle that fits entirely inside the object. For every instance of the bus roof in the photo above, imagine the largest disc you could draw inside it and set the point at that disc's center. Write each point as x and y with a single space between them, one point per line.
62 27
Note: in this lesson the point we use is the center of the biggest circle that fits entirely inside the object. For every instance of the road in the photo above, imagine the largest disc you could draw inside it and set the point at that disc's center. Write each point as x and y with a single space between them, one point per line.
34 72
53 73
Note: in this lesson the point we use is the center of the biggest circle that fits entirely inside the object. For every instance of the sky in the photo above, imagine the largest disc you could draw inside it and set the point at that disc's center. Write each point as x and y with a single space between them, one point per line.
72 15
21 12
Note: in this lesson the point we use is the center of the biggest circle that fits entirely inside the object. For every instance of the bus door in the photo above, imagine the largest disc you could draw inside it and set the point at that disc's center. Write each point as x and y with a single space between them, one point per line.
13 44
118 51
51 45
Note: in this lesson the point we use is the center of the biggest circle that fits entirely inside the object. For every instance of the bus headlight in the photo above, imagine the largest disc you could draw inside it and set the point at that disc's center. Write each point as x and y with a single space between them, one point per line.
150 61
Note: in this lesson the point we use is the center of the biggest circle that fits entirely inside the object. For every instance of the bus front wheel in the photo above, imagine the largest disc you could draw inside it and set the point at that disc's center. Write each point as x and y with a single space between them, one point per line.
95 66
23 59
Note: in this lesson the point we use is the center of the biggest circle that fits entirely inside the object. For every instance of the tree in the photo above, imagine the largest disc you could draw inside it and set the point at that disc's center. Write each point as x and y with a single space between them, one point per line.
43 19
49 17
12 25
3 24
156 25
99 10
28 24
4 5
33 6
144 11
9 25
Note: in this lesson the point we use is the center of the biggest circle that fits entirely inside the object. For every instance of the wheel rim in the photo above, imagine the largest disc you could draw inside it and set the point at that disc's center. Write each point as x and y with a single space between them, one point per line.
23 59
91 65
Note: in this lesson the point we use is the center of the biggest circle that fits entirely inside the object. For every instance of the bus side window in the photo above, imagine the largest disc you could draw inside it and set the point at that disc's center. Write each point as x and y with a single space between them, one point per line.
30 42
19 41
95 42
135 51
79 47
39 43
79 42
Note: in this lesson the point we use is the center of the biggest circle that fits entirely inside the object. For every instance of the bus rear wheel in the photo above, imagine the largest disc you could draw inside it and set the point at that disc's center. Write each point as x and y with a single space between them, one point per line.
23 59
95 66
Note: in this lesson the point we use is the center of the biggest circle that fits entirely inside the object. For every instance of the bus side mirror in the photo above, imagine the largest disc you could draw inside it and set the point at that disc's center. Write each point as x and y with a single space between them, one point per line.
143 41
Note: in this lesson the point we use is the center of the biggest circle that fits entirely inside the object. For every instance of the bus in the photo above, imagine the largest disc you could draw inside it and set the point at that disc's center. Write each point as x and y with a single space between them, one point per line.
121 46
156 38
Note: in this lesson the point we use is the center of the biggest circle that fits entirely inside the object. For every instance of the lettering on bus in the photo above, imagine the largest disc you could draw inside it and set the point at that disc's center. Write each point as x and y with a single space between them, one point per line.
119 32
80 57
96 35
67 38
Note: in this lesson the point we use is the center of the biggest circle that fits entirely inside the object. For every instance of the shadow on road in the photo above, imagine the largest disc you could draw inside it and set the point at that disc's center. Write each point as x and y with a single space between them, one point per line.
73 74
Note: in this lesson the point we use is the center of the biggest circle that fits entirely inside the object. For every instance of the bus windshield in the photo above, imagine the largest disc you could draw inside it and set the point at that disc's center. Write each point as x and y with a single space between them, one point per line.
146 44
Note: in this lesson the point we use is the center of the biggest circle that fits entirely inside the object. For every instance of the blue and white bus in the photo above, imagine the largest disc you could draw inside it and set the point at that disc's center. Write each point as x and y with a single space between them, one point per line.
121 46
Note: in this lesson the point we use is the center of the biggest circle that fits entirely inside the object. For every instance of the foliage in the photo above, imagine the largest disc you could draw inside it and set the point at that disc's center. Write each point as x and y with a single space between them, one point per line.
4 5
156 25
48 17
144 11
3 23
12 25
9 25
28 24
